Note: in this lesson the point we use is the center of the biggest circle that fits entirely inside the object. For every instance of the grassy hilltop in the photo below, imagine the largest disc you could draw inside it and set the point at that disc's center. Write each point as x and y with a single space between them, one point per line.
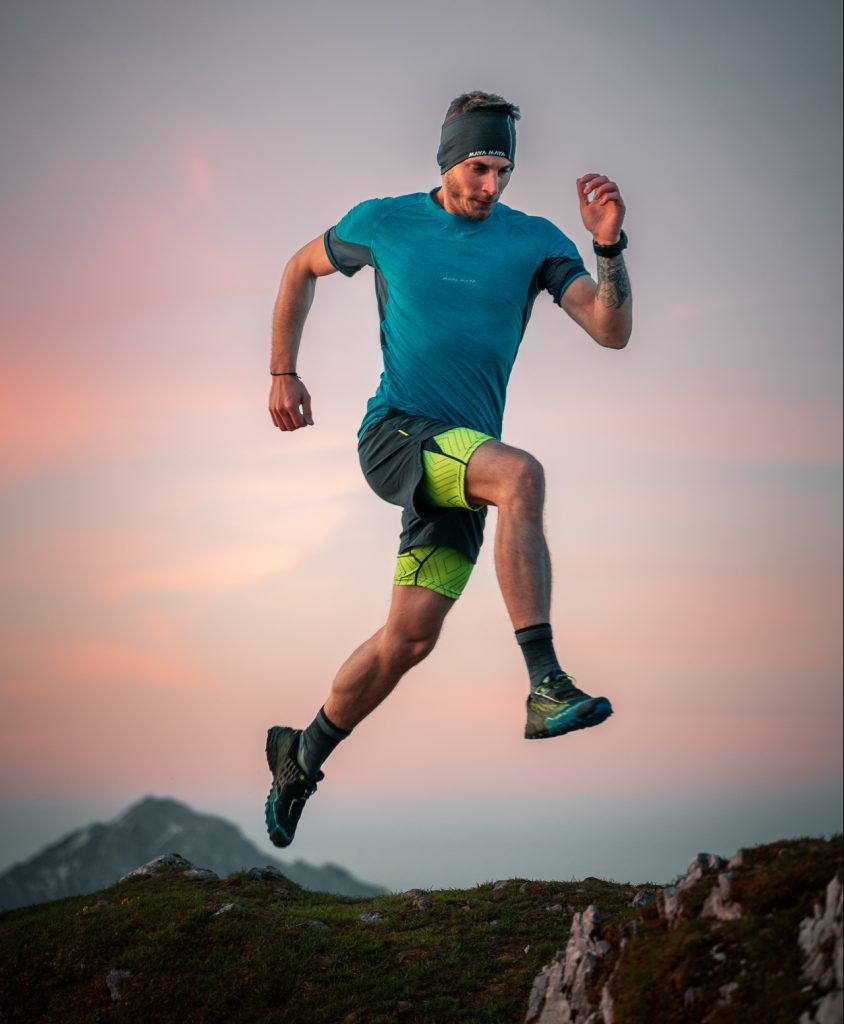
281 955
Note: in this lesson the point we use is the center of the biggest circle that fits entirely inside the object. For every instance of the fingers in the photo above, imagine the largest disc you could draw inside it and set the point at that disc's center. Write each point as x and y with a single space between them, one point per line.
603 190
607 193
306 408
290 405
587 184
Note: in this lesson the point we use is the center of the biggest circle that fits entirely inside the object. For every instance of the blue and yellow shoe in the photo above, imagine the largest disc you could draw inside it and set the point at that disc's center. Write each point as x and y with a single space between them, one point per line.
557 707
291 787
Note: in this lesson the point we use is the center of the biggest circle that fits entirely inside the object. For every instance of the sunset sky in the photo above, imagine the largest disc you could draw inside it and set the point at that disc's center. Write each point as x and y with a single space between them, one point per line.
178 575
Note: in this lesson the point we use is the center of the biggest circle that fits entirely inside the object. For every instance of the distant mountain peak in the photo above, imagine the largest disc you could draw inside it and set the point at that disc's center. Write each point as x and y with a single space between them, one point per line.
97 855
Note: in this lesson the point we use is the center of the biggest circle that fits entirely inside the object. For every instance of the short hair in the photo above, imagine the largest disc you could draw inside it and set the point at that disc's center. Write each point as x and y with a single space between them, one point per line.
477 100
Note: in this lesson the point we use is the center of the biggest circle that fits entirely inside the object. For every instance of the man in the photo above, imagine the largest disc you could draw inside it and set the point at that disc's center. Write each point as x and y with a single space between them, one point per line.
456 276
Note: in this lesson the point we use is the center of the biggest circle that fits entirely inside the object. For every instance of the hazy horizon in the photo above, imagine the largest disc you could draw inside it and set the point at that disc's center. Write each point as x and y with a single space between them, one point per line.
380 856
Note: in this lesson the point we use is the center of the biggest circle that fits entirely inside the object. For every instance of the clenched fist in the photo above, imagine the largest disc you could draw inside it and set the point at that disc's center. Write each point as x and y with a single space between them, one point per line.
290 403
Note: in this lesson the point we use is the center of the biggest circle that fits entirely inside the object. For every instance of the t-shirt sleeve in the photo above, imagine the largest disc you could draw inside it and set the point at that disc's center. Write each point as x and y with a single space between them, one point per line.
349 243
561 265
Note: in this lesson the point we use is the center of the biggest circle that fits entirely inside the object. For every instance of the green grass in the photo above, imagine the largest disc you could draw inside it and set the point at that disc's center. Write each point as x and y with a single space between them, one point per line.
463 960
777 887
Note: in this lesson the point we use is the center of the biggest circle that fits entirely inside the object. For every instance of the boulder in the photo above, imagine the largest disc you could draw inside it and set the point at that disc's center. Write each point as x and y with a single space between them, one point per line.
267 874
669 903
166 860
718 903
562 991
820 939
114 980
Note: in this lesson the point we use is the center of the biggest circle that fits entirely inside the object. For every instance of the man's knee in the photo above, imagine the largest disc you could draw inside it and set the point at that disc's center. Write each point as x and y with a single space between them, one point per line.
523 482
404 648
506 477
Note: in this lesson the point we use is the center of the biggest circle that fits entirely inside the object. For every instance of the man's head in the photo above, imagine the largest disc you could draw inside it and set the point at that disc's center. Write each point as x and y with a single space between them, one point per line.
477 152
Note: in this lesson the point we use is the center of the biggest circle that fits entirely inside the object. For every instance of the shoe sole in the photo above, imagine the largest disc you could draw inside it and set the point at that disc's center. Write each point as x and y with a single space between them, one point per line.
275 735
278 837
600 712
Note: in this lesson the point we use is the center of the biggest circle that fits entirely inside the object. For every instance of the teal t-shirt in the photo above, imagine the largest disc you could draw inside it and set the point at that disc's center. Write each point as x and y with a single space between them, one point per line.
454 298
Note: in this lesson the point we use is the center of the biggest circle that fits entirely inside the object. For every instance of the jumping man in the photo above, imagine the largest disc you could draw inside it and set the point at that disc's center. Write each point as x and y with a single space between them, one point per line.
456 276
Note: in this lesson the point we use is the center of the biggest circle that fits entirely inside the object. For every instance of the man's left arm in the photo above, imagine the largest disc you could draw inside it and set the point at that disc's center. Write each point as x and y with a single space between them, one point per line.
605 310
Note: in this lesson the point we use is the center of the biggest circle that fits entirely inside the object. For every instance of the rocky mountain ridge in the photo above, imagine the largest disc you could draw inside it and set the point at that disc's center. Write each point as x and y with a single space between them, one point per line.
96 856
753 940
584 982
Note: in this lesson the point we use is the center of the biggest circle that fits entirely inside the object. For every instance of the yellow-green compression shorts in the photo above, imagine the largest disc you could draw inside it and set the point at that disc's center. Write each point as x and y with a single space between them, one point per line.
444 460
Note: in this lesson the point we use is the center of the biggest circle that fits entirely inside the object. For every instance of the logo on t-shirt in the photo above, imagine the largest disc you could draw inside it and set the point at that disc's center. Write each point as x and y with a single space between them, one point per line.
462 280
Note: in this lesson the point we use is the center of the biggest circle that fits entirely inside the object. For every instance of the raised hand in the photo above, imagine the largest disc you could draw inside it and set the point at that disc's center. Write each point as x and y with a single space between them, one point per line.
603 215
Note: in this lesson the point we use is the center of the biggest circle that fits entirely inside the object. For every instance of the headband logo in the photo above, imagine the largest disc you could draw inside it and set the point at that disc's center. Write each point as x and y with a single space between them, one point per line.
486 152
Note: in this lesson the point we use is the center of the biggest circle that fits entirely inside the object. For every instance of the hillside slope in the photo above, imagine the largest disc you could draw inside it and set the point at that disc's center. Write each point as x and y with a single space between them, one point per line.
254 948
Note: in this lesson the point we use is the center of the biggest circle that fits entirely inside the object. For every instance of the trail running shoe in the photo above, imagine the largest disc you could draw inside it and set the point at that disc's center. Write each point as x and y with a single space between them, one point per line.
556 707
290 788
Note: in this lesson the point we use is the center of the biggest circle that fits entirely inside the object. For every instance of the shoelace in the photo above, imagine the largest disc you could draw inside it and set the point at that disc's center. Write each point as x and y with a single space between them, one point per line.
291 772
557 681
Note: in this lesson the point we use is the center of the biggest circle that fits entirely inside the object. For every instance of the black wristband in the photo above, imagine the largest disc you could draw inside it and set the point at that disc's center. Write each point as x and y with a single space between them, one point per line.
611 250
287 373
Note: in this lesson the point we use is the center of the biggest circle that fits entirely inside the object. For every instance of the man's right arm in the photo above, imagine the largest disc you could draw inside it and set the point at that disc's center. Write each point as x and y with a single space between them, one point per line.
290 402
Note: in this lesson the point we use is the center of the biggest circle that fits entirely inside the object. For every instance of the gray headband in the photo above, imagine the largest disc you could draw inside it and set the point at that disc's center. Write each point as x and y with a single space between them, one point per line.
476 133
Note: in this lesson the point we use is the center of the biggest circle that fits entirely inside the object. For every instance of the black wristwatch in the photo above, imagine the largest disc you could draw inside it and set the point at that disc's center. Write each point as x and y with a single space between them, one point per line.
611 250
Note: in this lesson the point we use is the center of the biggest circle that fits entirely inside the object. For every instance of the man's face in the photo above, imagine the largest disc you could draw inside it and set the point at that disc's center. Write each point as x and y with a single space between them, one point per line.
473 187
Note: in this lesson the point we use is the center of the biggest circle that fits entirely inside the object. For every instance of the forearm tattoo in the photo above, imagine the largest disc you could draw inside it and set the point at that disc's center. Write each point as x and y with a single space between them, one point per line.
613 283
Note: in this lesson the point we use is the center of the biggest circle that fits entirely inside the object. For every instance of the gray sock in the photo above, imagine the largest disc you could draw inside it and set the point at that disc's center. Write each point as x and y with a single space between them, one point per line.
317 742
538 649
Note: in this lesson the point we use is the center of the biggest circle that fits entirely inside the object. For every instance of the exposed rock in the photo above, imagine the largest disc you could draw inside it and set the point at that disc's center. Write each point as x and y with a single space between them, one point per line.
166 860
820 939
718 903
703 864
827 1010
501 884
726 992
642 898
423 903
607 1008
315 923
371 916
546 1002
200 873
736 861
412 893
669 904
266 874
114 979
228 908
561 991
